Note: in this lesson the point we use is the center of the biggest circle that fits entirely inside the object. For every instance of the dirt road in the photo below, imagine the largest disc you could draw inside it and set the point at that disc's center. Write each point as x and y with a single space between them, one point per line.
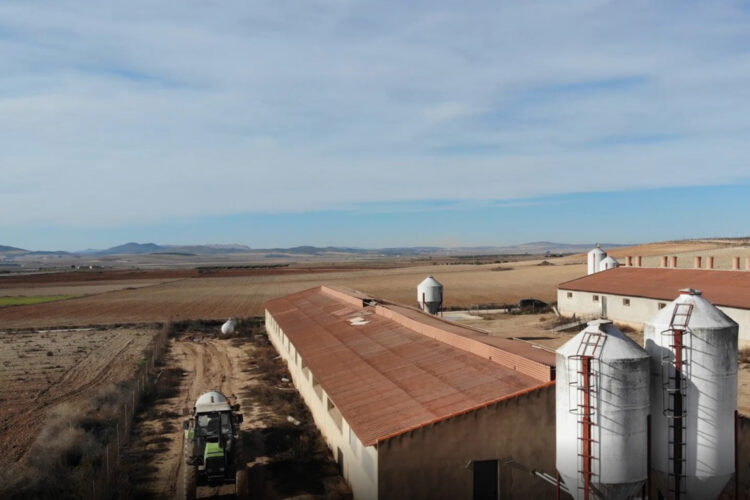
194 365
245 370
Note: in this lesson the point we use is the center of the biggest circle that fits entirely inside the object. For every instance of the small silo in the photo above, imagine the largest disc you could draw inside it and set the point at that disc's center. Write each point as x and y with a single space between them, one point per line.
602 400
595 257
430 295
693 349
608 262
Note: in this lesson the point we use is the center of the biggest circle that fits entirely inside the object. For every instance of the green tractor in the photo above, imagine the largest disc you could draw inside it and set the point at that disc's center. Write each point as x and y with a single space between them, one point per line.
212 456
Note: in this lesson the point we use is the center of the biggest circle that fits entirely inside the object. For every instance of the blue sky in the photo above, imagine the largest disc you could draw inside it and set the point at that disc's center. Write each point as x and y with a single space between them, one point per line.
353 122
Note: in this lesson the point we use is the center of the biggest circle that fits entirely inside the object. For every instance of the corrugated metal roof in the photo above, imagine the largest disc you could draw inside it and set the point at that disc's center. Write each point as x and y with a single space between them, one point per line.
387 378
722 288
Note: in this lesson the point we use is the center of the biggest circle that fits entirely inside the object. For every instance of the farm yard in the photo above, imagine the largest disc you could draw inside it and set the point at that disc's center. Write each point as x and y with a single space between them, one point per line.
64 360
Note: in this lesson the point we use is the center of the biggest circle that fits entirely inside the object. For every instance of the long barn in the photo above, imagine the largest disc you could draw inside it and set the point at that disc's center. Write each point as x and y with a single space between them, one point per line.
635 294
416 407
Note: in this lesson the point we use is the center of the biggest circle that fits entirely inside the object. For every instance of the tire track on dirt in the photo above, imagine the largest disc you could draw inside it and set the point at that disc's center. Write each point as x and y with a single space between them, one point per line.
97 369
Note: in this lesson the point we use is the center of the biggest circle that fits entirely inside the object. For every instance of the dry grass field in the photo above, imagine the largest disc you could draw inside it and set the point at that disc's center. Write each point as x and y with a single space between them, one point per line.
41 370
242 296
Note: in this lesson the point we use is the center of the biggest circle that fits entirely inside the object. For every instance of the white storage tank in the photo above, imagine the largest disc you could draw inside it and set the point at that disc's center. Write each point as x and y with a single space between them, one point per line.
229 326
430 295
610 446
692 415
595 257
608 262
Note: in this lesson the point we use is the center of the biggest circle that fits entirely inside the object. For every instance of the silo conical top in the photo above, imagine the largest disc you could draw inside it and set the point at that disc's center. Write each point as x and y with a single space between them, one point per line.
608 262
704 314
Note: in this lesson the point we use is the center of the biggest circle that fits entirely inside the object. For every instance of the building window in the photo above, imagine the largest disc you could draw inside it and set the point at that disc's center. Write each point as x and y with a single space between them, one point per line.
626 302
316 387
662 305
570 295
334 413
595 298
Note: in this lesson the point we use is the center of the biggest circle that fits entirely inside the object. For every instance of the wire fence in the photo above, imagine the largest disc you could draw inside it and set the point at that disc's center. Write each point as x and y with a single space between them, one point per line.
118 435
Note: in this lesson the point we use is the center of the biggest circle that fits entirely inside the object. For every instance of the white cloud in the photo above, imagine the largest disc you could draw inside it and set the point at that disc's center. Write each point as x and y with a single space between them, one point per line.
142 111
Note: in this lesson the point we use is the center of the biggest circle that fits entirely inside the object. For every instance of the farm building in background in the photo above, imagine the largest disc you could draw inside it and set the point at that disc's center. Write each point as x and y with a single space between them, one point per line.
413 406
634 295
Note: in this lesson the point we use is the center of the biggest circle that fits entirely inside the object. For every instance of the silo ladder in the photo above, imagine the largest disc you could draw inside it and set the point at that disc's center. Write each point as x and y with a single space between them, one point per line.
587 361
675 368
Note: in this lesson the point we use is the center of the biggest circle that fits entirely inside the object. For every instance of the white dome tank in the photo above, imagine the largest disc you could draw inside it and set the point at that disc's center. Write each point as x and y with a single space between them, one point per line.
212 401
595 257
701 443
615 436
430 295
608 262
228 327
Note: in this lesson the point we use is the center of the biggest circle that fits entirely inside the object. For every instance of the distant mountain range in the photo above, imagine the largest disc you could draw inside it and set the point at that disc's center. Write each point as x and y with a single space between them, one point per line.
132 248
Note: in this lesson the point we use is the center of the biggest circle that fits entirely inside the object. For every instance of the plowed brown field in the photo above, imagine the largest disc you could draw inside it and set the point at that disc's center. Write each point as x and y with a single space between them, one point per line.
242 296
40 370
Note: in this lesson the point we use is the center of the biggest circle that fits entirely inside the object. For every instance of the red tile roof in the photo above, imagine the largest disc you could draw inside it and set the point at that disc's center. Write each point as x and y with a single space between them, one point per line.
723 288
402 369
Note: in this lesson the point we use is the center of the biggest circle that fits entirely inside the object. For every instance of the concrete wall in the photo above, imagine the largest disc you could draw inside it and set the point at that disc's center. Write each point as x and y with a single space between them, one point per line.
637 312
360 463
435 462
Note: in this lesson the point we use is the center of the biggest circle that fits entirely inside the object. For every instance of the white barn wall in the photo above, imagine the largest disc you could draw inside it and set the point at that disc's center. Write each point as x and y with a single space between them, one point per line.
638 312
360 462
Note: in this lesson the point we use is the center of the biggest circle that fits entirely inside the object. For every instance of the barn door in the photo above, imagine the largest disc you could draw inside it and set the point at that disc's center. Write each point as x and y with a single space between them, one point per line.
485 480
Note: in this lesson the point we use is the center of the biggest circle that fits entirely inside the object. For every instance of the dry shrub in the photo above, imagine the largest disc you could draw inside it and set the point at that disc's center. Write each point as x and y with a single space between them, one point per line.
743 355
69 450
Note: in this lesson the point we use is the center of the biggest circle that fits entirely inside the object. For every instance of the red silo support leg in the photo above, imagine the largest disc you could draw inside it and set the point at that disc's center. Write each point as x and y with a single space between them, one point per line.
664 261
735 263
697 262
710 262
674 262
639 261
586 369
629 261
747 263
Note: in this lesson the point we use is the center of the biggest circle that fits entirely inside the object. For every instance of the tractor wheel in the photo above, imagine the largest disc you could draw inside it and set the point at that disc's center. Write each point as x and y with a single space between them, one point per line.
241 485
189 475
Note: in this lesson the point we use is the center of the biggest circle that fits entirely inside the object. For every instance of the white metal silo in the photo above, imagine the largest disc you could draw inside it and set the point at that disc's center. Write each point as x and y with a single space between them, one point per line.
602 400
693 349
595 257
608 262
430 295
